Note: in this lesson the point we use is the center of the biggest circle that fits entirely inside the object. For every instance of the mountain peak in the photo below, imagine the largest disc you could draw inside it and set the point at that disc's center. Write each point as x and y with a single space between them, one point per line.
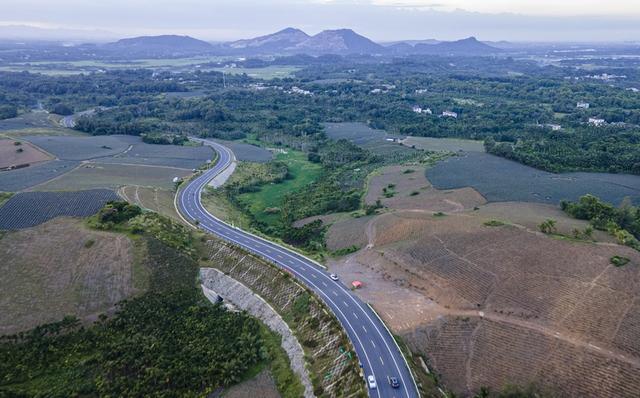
274 42
339 41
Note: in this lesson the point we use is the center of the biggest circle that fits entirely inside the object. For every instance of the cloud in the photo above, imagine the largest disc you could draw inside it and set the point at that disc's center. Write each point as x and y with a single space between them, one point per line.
379 19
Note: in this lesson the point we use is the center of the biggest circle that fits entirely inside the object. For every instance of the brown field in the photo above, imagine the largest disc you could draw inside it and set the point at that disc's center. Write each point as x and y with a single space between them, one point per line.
54 270
105 175
530 215
413 191
498 305
538 291
155 199
9 155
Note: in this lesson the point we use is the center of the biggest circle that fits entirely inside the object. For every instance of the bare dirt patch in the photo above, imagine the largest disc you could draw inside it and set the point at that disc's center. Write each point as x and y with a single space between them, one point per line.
530 302
407 187
62 268
260 386
16 152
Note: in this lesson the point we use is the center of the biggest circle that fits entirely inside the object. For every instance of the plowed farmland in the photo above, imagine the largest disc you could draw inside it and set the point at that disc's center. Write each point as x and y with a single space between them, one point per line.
493 304
16 152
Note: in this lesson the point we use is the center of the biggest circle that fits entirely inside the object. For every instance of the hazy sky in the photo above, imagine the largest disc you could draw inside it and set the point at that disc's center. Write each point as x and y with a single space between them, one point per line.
515 20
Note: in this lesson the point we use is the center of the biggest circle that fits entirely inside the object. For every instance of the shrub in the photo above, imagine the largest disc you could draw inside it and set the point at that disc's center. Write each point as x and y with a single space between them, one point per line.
548 226
494 223
619 261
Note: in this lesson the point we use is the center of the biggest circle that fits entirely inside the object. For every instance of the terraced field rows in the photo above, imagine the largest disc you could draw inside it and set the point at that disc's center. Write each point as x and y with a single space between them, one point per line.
29 209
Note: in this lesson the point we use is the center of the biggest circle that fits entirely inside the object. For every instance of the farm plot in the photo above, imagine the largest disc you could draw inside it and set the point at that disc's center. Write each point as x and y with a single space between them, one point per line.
366 137
112 176
20 179
185 157
83 148
502 180
28 120
406 187
247 152
531 290
444 144
28 209
62 268
16 152
461 347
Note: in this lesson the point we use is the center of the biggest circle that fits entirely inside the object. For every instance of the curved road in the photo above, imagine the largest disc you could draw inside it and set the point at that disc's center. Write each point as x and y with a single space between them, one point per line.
376 349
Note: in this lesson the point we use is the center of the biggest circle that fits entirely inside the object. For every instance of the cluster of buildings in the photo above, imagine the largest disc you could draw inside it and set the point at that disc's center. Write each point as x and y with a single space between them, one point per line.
428 111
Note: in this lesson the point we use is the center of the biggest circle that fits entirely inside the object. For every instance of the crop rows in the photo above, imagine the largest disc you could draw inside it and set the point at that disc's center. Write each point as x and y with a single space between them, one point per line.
29 209
19 179
626 338
574 373
502 180
83 148
185 157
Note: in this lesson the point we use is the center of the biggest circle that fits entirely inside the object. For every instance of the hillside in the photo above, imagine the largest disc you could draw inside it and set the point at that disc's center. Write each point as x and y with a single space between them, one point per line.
467 284
341 41
277 42
468 46
153 46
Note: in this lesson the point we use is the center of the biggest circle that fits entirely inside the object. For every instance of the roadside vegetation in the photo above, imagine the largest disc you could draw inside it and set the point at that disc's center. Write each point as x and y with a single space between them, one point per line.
169 338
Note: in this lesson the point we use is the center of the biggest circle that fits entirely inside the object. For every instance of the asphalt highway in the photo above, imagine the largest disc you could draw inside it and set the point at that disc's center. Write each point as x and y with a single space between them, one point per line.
375 347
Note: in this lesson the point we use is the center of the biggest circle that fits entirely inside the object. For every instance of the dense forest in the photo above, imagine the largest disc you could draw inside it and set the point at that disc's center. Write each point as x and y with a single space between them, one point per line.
524 111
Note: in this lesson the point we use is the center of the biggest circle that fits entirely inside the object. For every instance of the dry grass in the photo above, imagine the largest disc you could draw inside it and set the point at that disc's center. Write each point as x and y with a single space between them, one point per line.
62 268
104 175
406 187
159 200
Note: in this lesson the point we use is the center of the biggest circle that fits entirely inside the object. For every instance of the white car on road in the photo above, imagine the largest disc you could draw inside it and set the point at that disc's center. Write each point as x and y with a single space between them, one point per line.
372 382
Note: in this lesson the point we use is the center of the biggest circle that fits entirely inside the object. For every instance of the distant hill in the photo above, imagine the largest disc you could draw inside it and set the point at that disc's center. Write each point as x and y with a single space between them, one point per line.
341 41
274 43
154 46
295 41
468 46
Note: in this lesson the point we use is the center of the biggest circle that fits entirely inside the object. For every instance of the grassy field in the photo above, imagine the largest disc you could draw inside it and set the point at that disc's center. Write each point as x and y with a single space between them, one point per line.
269 72
444 144
155 199
76 67
92 175
34 131
32 120
37 265
302 173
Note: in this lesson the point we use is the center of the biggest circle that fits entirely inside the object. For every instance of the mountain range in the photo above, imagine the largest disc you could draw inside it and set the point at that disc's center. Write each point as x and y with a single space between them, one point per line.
289 41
